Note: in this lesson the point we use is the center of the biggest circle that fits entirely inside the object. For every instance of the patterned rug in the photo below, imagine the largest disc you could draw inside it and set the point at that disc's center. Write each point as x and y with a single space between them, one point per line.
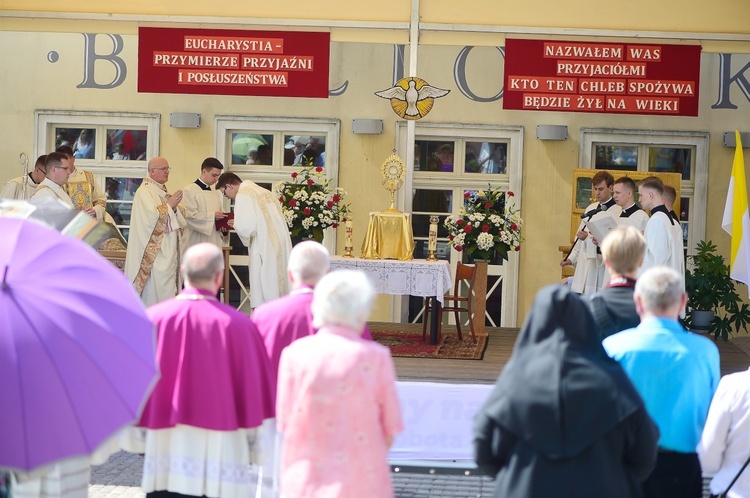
405 340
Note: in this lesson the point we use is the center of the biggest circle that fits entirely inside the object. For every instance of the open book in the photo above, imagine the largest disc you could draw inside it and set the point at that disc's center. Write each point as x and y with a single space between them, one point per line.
600 226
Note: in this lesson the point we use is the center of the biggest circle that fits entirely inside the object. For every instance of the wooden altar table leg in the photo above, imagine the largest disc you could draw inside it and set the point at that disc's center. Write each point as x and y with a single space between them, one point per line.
434 326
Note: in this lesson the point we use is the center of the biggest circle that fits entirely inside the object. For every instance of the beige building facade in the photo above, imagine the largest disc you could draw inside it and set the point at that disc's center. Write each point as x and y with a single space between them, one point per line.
78 70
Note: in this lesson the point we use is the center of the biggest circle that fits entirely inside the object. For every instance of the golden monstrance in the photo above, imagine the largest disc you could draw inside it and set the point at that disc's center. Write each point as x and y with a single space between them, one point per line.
394 172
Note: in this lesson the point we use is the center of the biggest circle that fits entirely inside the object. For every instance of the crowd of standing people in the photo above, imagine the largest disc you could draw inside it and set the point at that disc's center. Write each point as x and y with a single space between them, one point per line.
296 400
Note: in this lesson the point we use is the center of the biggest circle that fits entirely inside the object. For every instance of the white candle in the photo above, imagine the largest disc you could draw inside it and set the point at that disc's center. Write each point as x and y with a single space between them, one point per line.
432 239
349 225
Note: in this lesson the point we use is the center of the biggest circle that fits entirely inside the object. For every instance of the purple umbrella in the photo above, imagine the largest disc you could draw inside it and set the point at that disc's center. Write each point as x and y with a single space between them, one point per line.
76 347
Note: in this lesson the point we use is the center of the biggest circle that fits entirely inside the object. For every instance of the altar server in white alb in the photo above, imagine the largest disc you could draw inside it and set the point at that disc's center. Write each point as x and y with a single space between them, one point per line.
14 189
152 261
259 222
203 207
624 195
53 185
663 248
589 274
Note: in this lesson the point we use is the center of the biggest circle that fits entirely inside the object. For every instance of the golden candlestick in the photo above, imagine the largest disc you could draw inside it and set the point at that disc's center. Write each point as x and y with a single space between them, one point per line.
432 239
348 246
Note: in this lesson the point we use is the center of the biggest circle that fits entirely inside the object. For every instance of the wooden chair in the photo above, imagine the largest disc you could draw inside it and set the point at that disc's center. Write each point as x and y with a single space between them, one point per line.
466 273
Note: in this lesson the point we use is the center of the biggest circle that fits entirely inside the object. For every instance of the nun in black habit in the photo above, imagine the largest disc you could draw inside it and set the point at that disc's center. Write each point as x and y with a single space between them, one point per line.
563 419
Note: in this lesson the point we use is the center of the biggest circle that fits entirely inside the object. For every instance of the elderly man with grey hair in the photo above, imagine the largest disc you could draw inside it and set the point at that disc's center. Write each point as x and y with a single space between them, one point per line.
288 318
676 373
152 261
202 420
337 406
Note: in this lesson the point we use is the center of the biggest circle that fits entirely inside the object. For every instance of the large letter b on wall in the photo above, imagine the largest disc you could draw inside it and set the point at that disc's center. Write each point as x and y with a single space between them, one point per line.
89 62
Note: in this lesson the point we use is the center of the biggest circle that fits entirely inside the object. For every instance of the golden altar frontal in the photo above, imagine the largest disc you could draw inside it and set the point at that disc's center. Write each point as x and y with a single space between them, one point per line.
389 236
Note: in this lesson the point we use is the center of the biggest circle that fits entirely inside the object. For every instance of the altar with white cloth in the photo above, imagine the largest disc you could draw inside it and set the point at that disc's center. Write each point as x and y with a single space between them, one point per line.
416 277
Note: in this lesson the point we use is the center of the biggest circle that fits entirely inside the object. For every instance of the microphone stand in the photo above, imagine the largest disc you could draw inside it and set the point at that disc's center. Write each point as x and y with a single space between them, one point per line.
590 215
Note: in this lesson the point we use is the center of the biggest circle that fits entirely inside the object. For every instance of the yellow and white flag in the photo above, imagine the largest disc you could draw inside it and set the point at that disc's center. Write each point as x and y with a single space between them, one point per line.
736 220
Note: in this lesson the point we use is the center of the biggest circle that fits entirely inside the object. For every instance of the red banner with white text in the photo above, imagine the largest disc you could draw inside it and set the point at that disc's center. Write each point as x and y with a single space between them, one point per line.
233 62
613 78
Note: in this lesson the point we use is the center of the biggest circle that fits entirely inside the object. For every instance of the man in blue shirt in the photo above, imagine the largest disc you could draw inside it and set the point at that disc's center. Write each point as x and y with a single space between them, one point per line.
676 373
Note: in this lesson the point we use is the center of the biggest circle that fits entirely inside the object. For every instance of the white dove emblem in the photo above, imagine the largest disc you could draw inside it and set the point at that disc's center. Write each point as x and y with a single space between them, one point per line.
412 98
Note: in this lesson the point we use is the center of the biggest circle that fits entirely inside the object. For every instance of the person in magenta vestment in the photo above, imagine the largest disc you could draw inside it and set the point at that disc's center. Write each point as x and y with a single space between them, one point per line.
337 406
288 318
215 390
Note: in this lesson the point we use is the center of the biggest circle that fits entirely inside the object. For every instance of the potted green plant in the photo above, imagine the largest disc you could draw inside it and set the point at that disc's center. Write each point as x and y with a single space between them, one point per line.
711 289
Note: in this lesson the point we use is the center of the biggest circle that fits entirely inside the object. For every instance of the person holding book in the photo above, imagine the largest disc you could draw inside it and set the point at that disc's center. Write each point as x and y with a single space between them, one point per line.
204 208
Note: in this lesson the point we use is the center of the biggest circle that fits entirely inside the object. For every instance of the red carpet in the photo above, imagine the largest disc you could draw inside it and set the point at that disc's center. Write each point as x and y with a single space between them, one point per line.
405 340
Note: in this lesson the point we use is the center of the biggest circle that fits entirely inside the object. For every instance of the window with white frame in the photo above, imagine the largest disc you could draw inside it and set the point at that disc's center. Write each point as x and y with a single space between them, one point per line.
267 151
450 160
114 147
657 151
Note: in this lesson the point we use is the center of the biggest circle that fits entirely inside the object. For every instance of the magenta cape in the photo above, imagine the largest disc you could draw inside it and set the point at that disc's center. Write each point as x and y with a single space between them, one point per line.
286 319
214 369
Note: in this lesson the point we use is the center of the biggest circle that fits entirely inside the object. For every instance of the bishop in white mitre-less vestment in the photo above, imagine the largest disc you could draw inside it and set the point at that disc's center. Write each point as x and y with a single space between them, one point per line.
152 262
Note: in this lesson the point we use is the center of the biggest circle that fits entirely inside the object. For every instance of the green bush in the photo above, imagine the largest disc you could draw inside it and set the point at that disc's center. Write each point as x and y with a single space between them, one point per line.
710 288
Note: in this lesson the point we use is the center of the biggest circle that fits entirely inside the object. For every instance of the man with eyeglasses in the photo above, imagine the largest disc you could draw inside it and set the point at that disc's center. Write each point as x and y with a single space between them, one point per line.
152 261
261 226
86 194
53 185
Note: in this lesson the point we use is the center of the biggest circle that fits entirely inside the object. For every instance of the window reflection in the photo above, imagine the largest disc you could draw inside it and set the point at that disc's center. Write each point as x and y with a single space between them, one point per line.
81 140
126 145
120 193
617 157
486 157
304 149
431 201
433 155
250 148
670 160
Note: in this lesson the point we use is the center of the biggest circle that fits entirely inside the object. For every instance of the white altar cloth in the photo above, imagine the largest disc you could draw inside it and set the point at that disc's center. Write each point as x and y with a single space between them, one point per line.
416 277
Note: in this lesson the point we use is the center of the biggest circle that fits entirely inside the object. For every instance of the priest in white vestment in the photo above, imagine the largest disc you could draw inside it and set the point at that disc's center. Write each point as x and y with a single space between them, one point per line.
631 215
83 190
53 185
204 207
589 273
152 261
259 222
15 189
663 241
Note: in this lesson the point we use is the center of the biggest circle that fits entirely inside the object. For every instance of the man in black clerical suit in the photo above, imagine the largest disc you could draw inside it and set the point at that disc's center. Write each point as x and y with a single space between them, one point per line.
613 307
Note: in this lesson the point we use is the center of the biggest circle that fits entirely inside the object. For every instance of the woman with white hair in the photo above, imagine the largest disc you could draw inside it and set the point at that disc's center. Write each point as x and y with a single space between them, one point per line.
336 404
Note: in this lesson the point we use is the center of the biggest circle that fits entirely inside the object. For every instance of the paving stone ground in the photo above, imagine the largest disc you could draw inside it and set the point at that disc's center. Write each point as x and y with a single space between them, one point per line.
120 477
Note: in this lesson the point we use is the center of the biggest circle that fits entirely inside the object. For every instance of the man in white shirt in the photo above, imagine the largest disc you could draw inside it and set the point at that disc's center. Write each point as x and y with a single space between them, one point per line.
14 189
662 248
589 274
725 444
204 206
53 185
